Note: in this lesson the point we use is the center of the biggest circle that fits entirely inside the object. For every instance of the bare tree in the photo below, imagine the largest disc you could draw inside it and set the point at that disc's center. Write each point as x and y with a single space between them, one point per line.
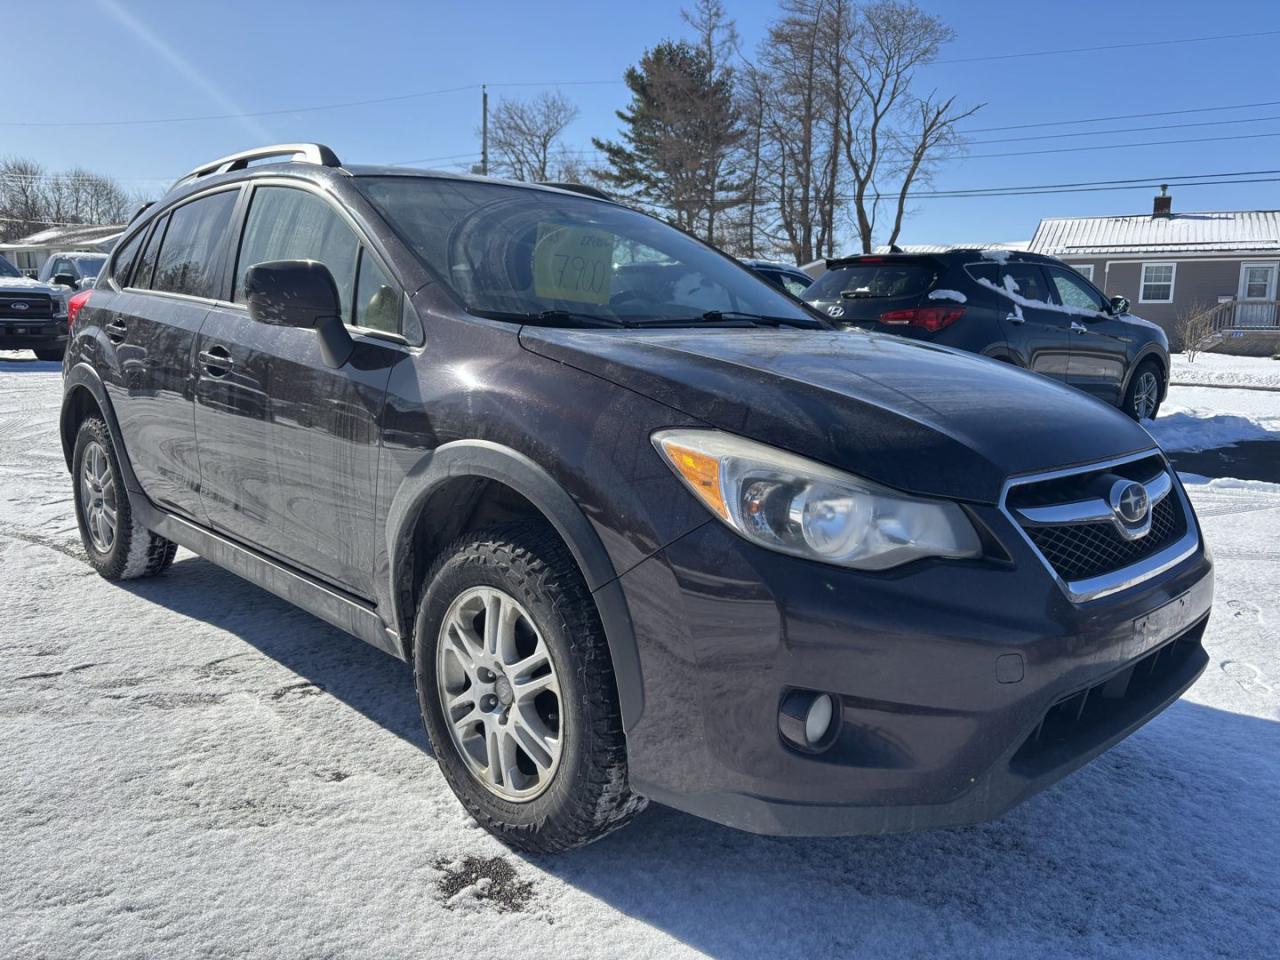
32 200
890 134
1194 327
22 197
524 136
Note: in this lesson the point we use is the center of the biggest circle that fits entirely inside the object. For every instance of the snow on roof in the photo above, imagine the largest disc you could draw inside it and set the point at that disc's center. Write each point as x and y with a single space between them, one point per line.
945 247
1227 230
70 237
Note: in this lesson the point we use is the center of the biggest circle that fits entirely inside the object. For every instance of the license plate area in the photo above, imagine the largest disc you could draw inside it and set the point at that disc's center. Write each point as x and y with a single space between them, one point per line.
1172 618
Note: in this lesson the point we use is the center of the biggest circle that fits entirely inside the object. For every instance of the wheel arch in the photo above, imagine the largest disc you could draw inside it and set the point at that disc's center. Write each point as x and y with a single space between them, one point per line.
472 484
1155 355
83 395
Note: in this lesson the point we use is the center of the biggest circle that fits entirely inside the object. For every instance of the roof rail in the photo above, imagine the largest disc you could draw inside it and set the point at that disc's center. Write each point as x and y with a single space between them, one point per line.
316 153
581 188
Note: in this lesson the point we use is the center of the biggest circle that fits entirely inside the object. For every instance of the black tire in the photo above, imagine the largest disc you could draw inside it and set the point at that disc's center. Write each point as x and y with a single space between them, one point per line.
134 551
1148 368
53 356
588 794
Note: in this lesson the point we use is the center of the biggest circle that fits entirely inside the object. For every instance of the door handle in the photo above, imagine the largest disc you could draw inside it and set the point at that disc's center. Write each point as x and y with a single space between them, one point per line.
1078 327
217 361
116 329
1014 318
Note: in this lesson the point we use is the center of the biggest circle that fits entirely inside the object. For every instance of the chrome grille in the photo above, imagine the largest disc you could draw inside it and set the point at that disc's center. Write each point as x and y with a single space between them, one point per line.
1082 550
1072 519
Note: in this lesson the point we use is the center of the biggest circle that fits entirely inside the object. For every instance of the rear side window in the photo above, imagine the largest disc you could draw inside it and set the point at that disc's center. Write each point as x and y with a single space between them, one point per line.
190 257
147 262
289 224
1027 281
872 281
125 257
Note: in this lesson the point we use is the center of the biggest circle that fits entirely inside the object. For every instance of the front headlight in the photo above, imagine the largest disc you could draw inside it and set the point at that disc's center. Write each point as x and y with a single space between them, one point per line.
797 506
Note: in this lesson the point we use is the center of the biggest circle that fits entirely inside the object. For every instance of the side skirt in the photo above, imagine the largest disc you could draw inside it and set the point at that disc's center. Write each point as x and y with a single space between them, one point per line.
343 611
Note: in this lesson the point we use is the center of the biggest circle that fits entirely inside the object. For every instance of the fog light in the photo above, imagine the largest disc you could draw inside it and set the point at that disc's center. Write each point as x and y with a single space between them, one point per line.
806 719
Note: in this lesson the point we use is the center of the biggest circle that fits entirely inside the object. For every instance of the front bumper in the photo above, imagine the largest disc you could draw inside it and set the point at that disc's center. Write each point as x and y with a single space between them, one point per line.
953 682
33 334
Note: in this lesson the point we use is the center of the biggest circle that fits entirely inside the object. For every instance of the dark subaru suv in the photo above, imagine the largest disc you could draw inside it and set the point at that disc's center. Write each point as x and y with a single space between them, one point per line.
1023 308
644 526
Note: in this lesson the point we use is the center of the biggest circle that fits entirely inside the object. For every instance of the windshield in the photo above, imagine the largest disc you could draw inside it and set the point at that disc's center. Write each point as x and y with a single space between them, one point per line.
7 269
871 280
89 266
542 256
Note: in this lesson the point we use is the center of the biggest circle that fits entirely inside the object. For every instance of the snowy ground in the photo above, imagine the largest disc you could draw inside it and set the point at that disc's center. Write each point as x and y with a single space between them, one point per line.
1220 370
194 769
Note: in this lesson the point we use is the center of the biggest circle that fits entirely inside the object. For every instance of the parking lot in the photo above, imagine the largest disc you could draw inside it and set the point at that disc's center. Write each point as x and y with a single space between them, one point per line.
195 768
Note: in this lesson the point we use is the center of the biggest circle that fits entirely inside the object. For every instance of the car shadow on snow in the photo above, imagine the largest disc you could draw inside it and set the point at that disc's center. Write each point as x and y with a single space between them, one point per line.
16 363
1165 846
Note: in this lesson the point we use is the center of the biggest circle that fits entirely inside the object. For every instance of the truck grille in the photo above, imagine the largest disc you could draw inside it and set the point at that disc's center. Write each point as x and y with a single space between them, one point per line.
1068 518
27 306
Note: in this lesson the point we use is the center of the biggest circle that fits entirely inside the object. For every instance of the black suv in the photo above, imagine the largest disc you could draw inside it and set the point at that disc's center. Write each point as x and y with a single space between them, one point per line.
643 525
1023 308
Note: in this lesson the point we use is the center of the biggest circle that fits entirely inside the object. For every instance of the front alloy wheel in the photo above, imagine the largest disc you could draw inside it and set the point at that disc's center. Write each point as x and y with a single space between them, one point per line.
501 696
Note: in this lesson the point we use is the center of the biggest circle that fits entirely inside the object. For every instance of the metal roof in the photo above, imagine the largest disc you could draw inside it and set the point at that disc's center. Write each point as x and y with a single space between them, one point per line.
1208 232
70 237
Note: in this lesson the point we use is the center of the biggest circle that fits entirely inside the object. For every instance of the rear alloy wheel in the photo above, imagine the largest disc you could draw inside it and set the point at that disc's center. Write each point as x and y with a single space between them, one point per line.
517 690
117 545
1142 399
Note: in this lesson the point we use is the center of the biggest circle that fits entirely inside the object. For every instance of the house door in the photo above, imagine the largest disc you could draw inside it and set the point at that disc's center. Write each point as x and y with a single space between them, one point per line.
1256 306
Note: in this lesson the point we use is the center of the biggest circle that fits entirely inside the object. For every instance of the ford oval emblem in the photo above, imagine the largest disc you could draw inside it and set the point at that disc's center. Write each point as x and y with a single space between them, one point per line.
19 305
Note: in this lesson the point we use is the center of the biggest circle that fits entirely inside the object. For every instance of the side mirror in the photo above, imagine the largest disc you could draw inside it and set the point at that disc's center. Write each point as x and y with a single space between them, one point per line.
1119 305
64 280
302 294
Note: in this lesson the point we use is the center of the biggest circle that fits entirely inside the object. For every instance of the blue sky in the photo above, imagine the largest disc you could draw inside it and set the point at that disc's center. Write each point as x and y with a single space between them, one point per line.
158 59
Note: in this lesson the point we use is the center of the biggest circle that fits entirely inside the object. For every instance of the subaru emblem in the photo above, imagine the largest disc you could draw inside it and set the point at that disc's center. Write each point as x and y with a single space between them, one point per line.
1129 502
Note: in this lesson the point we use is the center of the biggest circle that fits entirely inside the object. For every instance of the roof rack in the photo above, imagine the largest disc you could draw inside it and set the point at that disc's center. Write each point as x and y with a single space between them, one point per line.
316 153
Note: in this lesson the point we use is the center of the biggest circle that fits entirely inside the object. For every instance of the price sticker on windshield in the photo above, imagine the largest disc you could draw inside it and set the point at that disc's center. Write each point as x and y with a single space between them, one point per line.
573 263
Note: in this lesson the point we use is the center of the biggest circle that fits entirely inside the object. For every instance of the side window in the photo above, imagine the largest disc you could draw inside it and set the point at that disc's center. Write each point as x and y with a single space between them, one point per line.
377 297
1073 291
1027 281
125 257
793 286
189 257
289 224
989 272
63 265
147 262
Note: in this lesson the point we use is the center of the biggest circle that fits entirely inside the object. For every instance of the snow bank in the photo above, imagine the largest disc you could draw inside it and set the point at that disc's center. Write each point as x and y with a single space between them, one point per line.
1199 428
1220 370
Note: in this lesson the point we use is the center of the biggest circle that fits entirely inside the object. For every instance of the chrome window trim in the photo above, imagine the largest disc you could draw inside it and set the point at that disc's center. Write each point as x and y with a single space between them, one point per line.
1095 588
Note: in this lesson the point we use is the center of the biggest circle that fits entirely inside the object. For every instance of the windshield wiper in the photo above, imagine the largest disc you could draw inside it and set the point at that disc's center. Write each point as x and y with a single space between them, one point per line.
760 319
553 318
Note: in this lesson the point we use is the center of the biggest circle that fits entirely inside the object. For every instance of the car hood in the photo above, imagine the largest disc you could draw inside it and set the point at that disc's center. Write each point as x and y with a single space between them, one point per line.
913 416
26 285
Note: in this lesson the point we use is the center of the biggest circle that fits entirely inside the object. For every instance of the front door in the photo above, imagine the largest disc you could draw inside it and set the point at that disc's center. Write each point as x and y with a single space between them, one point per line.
1256 306
1100 342
289 446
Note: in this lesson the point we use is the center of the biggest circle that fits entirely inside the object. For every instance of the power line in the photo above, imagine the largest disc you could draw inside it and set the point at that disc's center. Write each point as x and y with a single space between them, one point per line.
1122 116
1111 146
1112 46
1134 181
1100 133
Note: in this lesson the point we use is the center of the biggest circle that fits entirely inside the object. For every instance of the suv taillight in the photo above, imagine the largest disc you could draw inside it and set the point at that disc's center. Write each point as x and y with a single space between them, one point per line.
932 319
74 306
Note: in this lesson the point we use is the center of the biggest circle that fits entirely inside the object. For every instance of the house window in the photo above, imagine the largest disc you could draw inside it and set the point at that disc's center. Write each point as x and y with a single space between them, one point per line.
1157 283
1084 269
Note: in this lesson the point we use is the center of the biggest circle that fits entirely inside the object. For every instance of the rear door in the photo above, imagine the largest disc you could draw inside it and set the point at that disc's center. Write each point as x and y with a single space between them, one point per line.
152 323
288 446
1038 334
1100 343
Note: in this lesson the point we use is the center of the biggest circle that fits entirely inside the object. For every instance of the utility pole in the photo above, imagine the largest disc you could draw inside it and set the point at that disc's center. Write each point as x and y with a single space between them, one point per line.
484 130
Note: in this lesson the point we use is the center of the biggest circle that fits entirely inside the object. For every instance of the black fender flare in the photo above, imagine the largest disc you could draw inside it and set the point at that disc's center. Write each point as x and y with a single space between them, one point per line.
492 461
1148 352
83 376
